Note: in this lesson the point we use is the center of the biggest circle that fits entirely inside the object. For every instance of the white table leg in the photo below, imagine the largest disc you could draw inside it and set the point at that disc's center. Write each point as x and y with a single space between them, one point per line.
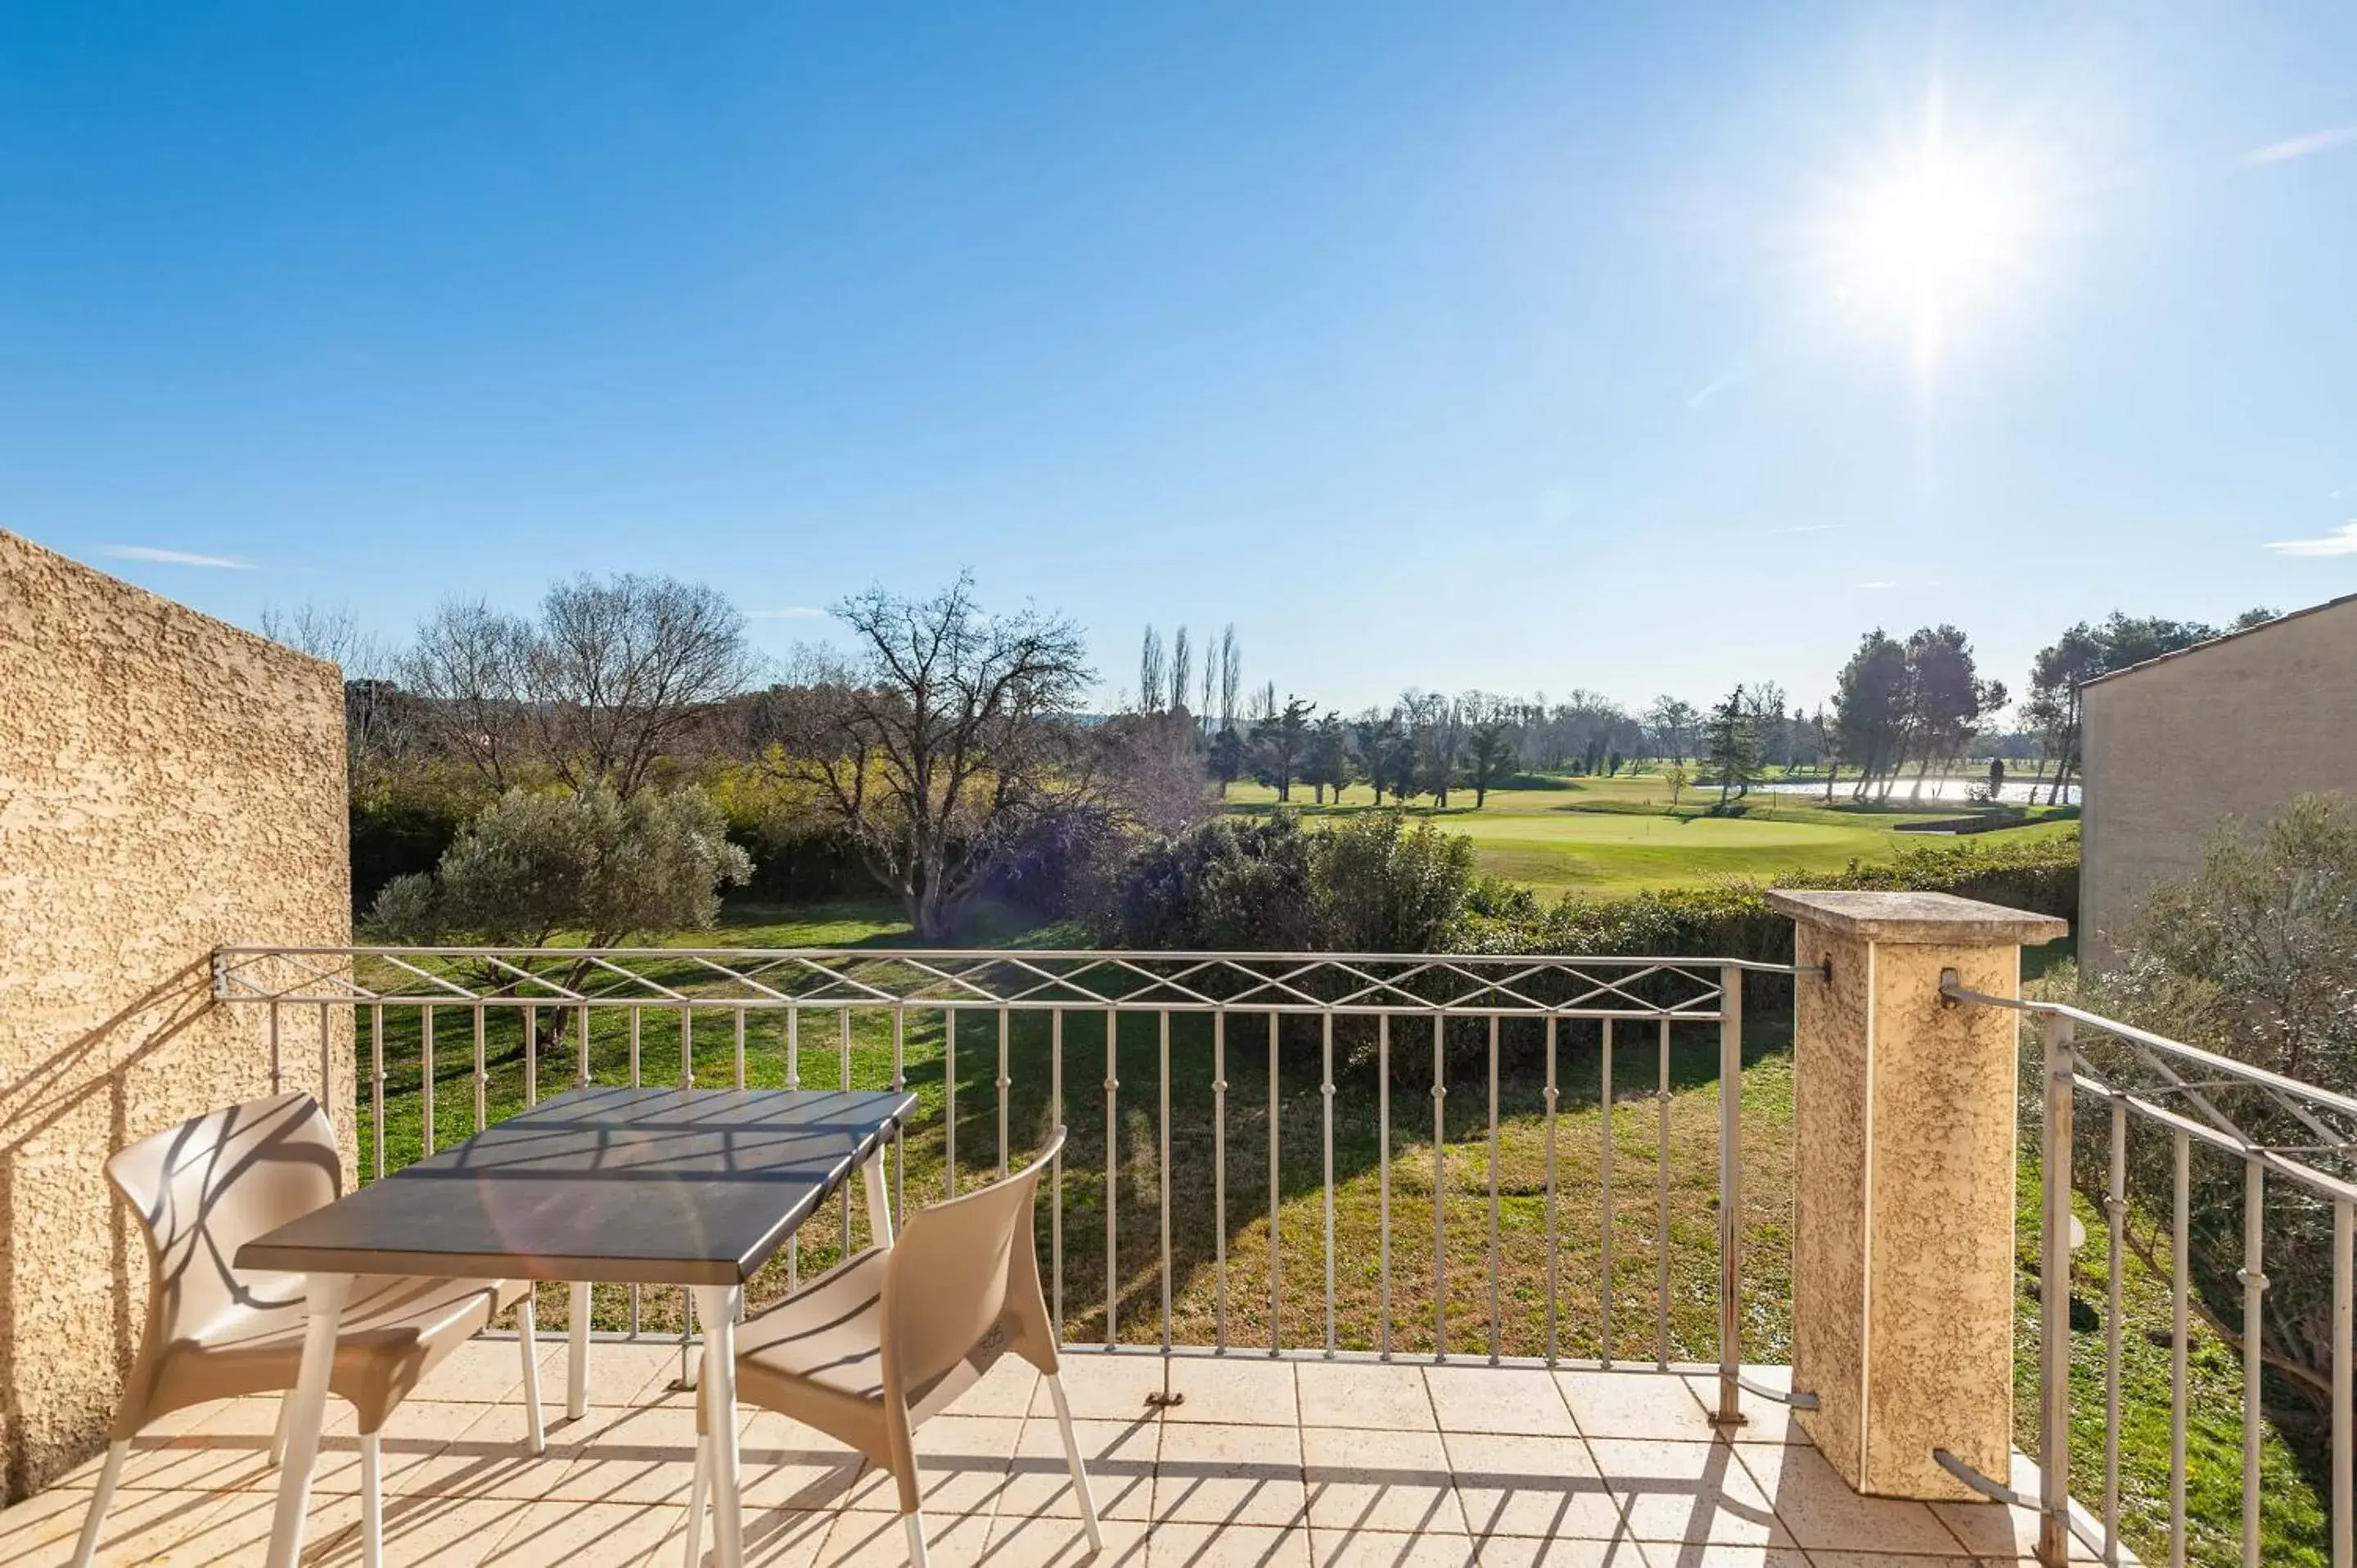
879 1207
718 1307
576 1354
306 1415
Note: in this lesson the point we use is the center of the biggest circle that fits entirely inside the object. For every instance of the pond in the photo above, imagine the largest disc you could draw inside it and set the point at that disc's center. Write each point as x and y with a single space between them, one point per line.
1955 791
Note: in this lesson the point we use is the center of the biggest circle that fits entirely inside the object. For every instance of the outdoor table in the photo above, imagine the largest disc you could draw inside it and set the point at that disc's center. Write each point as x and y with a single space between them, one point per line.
681 1186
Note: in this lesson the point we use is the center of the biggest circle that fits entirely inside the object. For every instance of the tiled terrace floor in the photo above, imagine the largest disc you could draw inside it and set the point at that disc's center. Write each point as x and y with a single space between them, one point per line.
1266 1463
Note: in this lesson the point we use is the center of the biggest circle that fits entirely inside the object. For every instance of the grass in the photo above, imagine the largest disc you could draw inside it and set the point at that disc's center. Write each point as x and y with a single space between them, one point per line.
1610 837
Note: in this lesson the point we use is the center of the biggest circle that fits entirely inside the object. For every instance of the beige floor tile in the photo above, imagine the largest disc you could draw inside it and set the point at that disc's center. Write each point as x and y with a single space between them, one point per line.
1025 1543
1677 1492
461 1532
491 1372
1230 1475
1105 1386
141 1527
1364 1394
1226 1546
1521 1486
1820 1509
1524 1551
1378 1482
1234 1388
1764 1420
1705 1554
551 1535
1885 1560
636 1456
1120 1457
1635 1405
1005 1390
2005 1533
880 1540
783 1465
1499 1399
1381 1548
961 1465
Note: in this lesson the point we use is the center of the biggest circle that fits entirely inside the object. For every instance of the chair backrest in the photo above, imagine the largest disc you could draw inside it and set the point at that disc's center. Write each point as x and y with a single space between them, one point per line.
955 1272
204 1189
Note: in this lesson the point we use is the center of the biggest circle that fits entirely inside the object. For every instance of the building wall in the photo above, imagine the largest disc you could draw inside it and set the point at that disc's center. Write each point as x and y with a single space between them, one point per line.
2231 728
168 784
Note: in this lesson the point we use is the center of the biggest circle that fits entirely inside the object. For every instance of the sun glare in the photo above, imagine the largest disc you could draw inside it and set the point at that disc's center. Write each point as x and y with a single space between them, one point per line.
1926 243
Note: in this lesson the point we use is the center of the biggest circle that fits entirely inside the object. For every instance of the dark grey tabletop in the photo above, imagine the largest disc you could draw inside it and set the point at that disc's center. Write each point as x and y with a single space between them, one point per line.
695 1186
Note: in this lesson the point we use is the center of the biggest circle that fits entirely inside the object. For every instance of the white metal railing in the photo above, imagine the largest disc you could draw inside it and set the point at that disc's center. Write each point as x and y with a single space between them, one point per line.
1474 1008
2293 1143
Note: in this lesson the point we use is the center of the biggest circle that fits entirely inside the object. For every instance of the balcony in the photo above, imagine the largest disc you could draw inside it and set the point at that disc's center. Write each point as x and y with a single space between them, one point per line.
1420 1296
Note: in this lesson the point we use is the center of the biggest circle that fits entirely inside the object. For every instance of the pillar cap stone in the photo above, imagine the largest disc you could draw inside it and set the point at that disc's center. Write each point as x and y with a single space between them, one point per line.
1920 918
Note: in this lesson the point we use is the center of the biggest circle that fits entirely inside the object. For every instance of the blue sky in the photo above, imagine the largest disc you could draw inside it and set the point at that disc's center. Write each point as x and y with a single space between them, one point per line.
1500 345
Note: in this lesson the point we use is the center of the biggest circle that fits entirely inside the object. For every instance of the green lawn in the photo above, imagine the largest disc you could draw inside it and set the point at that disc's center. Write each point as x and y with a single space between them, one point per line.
1618 836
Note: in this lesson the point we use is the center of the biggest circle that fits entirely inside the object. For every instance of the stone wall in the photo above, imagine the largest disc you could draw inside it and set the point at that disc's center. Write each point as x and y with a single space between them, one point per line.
2231 728
168 784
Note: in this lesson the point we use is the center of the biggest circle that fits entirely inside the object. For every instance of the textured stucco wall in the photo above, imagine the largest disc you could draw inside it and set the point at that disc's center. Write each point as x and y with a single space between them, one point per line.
1902 1267
168 784
2231 728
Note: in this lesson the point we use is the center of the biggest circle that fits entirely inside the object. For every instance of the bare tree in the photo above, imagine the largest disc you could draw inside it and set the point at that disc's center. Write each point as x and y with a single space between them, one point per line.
378 720
1149 673
467 667
620 672
1182 669
939 746
1231 675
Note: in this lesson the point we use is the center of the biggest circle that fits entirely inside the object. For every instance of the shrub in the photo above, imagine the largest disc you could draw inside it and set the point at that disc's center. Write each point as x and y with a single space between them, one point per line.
531 866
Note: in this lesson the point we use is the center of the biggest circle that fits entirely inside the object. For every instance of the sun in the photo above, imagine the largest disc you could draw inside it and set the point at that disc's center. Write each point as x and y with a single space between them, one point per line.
1931 240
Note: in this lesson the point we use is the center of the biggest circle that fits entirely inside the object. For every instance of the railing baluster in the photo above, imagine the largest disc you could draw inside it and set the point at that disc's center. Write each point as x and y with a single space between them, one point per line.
277 1056
2255 1293
843 1052
635 1082
1496 1262
2054 1303
2344 1380
1326 1117
738 1077
581 1071
1383 1181
425 1076
1056 1168
1005 1083
1219 1180
376 1081
1113 1173
1604 1189
2115 1209
530 1056
949 1101
1661 1208
482 1076
1730 1197
1166 1193
1439 1188
2180 1293
794 1080
327 1066
899 1137
686 1379
1554 1249
1276 1266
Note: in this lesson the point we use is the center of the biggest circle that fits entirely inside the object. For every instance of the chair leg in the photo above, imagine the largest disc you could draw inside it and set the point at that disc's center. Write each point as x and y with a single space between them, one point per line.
913 1521
278 1432
372 1500
534 1431
108 1475
1073 1458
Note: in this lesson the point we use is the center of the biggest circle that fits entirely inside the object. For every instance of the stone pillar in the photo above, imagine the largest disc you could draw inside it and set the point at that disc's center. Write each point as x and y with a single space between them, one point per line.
1904 1145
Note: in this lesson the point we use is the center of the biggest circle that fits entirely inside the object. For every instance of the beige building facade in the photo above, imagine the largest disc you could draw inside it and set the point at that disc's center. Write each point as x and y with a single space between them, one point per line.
2233 727
169 784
